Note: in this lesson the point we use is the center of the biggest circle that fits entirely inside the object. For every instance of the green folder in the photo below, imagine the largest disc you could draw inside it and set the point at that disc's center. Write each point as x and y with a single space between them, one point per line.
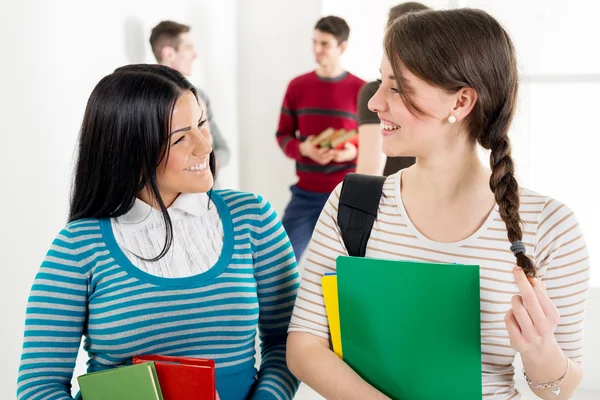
412 329
135 382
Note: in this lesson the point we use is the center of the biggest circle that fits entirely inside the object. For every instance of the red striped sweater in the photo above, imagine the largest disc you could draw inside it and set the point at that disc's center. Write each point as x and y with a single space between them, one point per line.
311 105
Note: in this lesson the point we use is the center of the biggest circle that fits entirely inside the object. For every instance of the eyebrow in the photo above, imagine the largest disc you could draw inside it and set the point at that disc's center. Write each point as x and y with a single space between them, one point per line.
405 81
187 128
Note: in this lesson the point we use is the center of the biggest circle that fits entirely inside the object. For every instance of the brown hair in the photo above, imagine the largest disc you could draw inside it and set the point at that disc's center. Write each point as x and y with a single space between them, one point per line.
335 26
401 9
460 48
166 33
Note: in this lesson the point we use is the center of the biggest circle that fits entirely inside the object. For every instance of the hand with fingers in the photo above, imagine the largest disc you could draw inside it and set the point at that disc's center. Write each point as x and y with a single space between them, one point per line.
322 156
531 323
348 153
533 318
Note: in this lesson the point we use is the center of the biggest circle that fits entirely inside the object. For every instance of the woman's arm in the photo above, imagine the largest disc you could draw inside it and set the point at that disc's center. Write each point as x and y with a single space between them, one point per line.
54 323
547 318
312 361
277 283
309 355
531 324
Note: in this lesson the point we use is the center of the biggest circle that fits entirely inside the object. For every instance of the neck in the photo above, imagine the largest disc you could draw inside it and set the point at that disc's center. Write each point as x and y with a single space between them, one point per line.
450 176
147 197
330 71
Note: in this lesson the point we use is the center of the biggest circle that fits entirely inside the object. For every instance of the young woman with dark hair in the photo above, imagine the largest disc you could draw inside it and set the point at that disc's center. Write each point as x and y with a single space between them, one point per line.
153 261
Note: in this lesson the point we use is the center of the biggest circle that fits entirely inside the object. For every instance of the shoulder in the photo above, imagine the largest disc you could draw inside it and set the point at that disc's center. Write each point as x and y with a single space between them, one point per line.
387 193
75 247
82 228
539 209
302 79
243 202
553 222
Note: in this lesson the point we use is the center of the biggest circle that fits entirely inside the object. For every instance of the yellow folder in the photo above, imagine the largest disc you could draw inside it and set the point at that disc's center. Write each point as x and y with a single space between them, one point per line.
330 294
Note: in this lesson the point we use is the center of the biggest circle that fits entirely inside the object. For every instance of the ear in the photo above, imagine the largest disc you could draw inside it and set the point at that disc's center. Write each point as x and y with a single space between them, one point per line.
343 46
167 53
466 98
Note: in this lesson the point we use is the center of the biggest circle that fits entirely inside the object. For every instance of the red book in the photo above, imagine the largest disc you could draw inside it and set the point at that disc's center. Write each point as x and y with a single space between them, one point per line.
183 378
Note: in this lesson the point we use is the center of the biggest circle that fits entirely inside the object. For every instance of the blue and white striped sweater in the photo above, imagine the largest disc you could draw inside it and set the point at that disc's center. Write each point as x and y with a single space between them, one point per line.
87 287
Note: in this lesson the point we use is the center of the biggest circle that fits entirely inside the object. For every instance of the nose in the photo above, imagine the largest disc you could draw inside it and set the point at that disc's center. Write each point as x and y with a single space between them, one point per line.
202 141
377 103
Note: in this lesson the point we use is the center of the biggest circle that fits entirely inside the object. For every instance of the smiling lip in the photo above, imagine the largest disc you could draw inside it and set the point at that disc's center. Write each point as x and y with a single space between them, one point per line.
201 166
388 127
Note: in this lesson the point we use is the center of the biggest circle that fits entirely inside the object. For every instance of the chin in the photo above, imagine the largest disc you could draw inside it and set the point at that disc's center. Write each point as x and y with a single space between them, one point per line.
200 187
391 151
397 153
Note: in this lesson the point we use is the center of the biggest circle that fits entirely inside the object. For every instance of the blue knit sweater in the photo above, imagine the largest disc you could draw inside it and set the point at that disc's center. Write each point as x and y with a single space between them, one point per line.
87 287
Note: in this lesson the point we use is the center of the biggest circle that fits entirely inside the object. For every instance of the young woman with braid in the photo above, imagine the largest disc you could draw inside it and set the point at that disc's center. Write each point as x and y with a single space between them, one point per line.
449 84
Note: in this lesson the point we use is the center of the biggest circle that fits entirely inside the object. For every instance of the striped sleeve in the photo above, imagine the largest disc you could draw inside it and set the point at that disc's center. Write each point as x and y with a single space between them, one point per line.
561 255
54 322
277 283
320 257
288 125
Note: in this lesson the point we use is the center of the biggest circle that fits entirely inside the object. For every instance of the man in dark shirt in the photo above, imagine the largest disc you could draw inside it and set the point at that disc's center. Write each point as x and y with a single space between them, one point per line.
371 159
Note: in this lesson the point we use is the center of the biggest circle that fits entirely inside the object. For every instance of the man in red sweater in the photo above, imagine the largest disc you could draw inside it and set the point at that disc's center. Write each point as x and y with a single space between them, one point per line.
321 99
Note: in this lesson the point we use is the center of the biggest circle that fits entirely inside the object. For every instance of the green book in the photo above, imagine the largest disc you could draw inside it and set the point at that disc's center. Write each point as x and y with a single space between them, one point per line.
412 329
135 382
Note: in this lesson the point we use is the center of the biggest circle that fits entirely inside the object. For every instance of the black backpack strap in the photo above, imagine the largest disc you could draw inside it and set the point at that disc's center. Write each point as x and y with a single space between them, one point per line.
359 202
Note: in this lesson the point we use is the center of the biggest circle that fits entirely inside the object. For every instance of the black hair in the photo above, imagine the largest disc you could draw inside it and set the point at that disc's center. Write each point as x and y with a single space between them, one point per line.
124 137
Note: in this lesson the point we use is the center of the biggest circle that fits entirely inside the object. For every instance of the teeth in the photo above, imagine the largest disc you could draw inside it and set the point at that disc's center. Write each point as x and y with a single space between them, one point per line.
389 127
198 167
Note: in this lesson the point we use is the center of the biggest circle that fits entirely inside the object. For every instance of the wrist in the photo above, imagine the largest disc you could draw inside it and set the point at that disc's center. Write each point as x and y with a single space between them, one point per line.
302 149
544 364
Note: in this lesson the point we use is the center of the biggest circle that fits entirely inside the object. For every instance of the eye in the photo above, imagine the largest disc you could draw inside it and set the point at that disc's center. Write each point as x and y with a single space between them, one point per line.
178 140
201 123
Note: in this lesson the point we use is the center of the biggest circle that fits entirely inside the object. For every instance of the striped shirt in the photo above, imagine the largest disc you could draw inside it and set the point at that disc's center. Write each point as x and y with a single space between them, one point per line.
311 105
551 234
87 287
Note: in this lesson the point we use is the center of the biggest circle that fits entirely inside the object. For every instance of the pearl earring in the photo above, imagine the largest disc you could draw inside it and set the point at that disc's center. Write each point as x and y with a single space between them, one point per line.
452 119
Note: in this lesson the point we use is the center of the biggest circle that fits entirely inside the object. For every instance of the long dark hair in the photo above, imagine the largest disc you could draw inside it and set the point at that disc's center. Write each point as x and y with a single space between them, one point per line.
124 137
460 48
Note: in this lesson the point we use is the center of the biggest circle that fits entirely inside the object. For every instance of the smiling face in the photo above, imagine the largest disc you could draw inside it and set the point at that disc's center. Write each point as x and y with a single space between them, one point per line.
186 170
405 133
182 57
326 49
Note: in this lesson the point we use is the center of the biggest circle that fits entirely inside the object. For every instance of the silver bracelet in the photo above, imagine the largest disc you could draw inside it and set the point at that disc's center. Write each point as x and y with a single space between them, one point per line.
554 385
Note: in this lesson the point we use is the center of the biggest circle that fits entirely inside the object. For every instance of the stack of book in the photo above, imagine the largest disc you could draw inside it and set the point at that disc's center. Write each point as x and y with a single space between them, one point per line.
153 378
333 138
410 329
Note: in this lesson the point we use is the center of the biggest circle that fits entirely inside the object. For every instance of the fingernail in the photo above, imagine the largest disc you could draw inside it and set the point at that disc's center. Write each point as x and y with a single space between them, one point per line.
532 280
516 269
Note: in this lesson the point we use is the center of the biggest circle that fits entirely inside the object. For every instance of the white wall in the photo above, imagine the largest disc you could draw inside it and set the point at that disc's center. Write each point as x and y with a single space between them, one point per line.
53 54
275 41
